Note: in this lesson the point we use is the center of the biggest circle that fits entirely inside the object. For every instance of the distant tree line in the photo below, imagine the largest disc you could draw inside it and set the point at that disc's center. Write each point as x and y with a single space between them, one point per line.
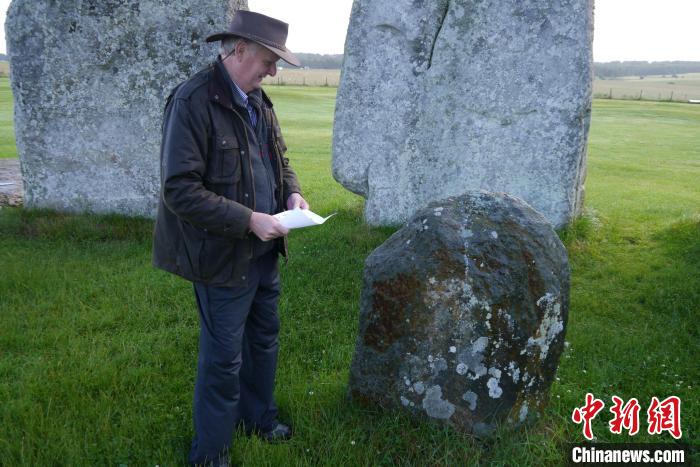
615 69
3 58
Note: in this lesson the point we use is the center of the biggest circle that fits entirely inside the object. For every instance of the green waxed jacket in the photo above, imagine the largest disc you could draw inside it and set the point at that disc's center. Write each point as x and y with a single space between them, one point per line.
207 187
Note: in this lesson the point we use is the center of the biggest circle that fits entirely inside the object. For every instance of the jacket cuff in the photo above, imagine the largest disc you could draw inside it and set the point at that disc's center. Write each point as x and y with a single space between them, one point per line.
290 190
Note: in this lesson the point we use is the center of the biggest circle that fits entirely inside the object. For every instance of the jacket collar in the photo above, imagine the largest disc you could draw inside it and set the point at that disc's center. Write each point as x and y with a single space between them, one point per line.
220 90
265 99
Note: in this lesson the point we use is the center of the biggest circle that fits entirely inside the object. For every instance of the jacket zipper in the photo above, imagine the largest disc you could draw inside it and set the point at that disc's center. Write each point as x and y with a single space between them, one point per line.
278 158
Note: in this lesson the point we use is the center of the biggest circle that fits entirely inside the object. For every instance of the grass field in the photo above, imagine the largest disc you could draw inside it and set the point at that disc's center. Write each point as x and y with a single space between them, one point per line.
98 349
7 129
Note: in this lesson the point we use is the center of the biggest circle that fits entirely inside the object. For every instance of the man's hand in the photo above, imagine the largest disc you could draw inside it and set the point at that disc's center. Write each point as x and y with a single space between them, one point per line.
266 227
295 200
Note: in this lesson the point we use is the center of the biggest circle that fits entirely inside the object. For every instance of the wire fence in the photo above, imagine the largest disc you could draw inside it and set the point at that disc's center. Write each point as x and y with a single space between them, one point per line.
644 96
658 89
310 77
669 90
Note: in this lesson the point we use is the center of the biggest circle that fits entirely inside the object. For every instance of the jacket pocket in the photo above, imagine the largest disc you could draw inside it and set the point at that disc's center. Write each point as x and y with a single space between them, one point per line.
217 258
225 164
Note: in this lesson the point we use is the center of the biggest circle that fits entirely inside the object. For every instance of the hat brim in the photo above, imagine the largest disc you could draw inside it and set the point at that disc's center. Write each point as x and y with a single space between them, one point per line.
285 54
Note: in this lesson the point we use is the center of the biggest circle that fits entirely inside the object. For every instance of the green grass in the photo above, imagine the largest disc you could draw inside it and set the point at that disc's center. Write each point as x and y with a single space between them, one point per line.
98 349
7 129
635 259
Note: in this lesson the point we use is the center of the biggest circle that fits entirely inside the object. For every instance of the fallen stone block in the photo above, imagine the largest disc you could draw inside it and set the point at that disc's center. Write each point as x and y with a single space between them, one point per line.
463 314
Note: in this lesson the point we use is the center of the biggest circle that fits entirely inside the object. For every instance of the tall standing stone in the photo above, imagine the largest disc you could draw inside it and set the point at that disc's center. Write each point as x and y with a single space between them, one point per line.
438 98
89 79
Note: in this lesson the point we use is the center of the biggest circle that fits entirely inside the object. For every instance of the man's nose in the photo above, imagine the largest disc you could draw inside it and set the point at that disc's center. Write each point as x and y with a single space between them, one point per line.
272 71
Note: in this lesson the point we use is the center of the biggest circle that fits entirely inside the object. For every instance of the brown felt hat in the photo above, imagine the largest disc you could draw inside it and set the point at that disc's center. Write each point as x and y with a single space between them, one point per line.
269 32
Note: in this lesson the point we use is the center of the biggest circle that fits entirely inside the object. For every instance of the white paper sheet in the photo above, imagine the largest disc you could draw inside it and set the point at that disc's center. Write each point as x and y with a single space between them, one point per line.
297 218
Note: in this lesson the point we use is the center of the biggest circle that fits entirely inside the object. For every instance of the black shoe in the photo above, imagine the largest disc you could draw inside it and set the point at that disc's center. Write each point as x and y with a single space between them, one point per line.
278 434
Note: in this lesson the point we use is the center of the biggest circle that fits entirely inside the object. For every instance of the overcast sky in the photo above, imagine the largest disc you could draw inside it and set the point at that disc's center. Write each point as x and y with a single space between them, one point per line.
624 29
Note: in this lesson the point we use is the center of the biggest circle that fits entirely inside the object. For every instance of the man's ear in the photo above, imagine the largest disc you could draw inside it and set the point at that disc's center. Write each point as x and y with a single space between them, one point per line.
241 47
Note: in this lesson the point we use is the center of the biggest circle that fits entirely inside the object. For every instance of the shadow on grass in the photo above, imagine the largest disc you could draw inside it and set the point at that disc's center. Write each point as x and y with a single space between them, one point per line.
45 224
393 437
680 274
681 242
580 230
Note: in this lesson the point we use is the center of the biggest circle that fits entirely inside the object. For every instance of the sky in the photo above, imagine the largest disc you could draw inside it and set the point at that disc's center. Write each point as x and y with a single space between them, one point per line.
652 30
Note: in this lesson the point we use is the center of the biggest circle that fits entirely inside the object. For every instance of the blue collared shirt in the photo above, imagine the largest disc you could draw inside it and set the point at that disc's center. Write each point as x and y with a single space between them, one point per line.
251 111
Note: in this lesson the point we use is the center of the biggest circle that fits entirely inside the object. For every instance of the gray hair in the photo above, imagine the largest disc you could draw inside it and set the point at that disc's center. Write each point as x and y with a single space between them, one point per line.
228 45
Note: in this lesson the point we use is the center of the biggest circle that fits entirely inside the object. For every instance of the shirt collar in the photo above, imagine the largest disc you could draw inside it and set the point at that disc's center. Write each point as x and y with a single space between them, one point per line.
240 92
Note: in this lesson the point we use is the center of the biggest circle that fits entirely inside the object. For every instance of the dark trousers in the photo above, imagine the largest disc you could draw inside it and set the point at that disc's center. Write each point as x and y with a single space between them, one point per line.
238 344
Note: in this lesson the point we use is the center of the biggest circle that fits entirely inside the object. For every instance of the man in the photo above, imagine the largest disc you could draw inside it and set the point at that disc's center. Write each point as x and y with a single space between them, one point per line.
223 176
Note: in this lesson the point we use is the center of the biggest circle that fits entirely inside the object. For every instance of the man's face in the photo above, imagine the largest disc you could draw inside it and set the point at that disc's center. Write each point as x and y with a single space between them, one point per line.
250 64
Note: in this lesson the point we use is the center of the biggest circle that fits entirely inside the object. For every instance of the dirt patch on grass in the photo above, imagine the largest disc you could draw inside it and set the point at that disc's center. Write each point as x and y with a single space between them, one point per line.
11 188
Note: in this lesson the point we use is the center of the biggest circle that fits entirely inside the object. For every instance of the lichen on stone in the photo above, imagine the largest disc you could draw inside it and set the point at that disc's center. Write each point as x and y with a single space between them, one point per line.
464 356
495 390
552 324
435 406
471 398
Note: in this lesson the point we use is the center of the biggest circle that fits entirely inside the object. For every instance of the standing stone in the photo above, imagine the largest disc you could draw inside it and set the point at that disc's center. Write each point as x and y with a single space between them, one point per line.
89 79
463 314
438 98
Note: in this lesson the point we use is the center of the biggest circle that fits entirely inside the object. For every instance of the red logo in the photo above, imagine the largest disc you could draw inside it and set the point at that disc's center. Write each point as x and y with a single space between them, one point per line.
587 413
665 416
626 417
661 416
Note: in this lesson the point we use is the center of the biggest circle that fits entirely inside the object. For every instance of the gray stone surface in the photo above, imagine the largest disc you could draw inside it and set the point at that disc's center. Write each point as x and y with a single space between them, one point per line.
438 98
89 80
463 314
